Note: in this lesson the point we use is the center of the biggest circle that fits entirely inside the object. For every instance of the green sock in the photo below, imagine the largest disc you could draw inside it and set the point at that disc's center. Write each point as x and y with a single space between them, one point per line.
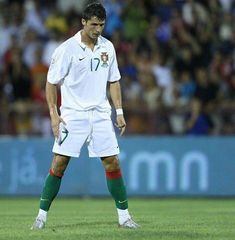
117 188
50 190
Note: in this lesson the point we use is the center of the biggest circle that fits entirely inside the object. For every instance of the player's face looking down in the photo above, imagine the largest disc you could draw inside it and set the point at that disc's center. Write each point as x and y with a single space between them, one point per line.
93 27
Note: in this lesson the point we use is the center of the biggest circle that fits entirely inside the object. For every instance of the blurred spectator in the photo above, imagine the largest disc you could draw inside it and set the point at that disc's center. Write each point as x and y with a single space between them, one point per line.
151 92
192 11
34 17
56 22
197 121
134 19
114 11
17 74
186 88
164 79
29 46
177 61
56 38
39 75
21 118
5 35
204 91
66 6
226 4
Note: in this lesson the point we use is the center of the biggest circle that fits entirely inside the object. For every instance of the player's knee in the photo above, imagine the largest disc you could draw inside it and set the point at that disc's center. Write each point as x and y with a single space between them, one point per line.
111 163
55 172
59 165
58 170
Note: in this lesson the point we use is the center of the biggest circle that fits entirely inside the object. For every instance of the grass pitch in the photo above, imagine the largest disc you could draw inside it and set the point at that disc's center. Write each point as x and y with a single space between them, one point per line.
95 219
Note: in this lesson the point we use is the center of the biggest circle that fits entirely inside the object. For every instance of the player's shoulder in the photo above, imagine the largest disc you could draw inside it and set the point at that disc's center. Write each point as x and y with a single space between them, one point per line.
106 42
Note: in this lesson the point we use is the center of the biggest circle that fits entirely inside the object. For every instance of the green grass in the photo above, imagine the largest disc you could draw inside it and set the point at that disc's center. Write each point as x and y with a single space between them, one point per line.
96 219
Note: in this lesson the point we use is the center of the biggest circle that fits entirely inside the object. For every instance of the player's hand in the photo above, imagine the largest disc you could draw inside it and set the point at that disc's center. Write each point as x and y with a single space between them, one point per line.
121 124
55 124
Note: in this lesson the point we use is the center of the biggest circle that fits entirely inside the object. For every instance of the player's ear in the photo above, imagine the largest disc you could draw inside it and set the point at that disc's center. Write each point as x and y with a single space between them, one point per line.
83 22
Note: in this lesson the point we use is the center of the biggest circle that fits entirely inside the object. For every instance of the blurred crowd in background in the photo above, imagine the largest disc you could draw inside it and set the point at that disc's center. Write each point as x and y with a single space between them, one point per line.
177 61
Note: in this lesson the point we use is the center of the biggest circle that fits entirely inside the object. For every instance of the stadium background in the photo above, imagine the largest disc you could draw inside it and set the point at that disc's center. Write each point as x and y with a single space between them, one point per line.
177 60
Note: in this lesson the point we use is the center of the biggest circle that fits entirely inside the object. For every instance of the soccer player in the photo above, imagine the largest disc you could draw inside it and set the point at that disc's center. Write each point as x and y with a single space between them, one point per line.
83 66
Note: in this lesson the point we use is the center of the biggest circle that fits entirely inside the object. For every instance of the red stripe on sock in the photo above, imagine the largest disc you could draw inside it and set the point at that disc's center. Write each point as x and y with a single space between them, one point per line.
113 174
55 175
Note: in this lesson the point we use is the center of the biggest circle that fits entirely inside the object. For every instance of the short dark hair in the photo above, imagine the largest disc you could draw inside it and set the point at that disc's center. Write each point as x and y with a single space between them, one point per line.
95 9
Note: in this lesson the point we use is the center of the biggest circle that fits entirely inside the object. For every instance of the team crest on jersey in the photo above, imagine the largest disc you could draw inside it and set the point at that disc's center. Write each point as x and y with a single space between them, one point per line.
104 58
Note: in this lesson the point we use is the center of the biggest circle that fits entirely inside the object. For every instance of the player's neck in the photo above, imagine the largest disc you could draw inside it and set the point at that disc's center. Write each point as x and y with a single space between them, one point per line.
87 40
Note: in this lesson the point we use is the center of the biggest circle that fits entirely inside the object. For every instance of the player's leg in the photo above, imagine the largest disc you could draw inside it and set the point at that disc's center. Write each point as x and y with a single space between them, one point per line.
78 129
117 189
53 180
115 181
51 188
103 143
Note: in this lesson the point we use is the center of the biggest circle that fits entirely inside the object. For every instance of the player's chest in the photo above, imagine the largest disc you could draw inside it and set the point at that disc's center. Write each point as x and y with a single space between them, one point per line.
88 61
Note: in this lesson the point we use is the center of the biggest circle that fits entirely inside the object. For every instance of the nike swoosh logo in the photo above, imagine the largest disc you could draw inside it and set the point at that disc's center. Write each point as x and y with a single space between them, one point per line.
122 201
43 199
80 59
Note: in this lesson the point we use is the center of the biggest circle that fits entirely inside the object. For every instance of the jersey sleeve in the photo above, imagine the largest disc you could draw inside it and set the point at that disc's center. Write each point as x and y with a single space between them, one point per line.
59 66
114 74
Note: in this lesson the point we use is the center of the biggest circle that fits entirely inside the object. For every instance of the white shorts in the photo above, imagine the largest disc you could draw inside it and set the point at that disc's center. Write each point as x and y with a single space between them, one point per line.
93 127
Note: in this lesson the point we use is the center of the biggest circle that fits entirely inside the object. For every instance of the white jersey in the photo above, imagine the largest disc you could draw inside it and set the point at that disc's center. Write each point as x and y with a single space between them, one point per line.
83 74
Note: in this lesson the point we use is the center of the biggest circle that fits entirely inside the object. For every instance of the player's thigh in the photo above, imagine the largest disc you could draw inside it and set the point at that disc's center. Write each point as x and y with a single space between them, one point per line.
103 140
73 140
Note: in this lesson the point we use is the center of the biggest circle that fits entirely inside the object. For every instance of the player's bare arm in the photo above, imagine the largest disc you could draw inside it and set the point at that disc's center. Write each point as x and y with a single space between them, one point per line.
51 96
116 96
